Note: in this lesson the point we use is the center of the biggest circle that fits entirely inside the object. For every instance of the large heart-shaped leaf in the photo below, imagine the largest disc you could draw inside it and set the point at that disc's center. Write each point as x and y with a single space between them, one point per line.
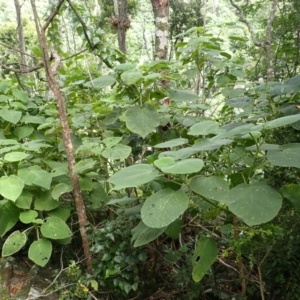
204 256
210 144
44 201
55 228
11 187
255 203
24 200
292 193
237 131
287 155
35 175
15 156
283 121
21 95
131 77
40 252
9 216
61 189
119 151
28 216
143 234
11 116
133 176
142 120
84 165
213 187
172 143
23 131
178 154
205 128
101 82
14 243
163 207
186 166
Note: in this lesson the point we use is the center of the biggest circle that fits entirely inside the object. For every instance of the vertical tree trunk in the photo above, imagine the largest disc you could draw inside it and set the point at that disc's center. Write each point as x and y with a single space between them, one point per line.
161 16
268 41
121 22
21 35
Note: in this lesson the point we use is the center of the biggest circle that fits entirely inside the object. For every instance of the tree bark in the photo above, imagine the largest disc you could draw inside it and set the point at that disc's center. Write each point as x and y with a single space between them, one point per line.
161 16
50 74
121 22
22 48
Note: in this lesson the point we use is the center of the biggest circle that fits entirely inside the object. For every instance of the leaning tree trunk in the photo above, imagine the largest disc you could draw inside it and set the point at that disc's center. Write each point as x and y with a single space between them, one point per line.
66 135
22 49
161 16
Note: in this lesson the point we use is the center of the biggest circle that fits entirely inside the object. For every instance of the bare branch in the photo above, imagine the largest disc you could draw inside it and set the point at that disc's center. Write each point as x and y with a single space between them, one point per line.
82 24
28 70
16 50
52 16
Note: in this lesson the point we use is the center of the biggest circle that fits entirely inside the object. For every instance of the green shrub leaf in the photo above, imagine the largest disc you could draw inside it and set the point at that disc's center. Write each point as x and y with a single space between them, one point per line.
40 252
255 203
204 256
163 207
133 176
14 243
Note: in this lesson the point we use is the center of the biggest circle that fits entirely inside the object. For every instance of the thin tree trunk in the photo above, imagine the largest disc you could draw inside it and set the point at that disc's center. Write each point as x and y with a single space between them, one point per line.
268 41
50 74
121 22
161 16
21 35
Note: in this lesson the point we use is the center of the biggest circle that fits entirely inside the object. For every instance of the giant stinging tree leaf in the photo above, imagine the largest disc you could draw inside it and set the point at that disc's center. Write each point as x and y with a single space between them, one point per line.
11 187
142 234
133 176
142 120
255 203
287 155
212 187
14 243
163 207
204 256
40 252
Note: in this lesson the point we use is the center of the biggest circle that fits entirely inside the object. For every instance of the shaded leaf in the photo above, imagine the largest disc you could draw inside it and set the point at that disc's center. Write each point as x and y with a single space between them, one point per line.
133 176
142 120
204 256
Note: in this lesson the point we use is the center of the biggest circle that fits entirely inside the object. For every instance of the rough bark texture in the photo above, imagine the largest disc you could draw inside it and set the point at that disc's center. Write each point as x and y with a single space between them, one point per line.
23 65
79 203
161 16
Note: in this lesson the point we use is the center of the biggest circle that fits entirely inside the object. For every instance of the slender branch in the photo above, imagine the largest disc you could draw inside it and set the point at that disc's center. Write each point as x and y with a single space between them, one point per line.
53 15
16 50
247 23
92 46
28 70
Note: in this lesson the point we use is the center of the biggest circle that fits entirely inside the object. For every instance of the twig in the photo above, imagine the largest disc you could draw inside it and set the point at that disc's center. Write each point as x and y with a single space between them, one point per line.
82 24
247 23
227 265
